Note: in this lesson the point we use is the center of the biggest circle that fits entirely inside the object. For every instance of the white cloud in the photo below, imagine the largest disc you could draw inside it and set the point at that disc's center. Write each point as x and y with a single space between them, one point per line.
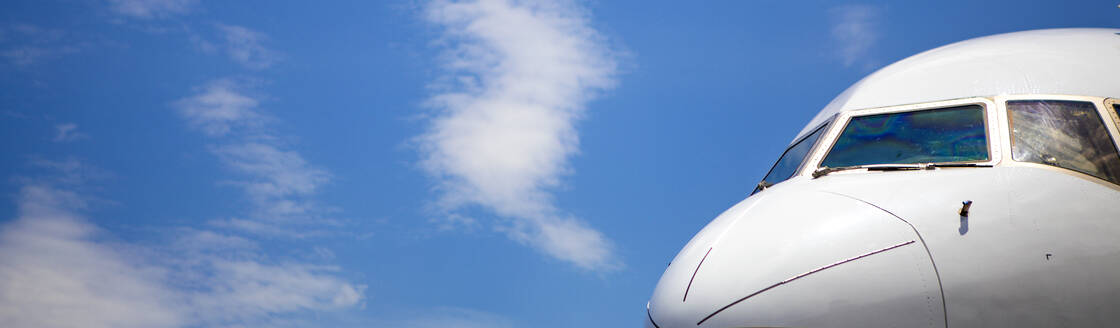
146 9
505 131
855 29
67 132
220 107
58 270
245 46
279 179
54 275
279 182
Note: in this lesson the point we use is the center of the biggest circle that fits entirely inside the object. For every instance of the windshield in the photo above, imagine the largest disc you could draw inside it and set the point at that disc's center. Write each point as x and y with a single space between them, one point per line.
954 134
1066 134
789 162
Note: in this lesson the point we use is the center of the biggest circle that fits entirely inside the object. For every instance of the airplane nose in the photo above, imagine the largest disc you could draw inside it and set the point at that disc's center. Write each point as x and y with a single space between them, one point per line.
800 258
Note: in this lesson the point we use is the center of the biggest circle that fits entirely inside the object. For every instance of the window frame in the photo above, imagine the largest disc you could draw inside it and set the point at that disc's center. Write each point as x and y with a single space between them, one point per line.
996 120
1114 113
826 126
995 153
1104 110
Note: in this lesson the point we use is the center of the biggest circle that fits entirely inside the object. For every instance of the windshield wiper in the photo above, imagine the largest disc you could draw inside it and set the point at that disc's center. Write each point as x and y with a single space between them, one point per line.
826 170
897 167
933 165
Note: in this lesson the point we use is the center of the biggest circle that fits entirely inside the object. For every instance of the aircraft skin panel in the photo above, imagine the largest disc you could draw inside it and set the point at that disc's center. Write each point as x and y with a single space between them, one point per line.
695 250
901 280
806 243
1073 277
1038 248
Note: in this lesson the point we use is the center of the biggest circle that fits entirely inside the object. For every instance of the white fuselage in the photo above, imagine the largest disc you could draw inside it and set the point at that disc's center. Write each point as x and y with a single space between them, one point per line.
1039 244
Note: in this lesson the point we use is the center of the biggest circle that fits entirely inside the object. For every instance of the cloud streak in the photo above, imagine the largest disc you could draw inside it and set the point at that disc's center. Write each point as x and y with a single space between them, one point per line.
855 29
61 271
67 132
279 182
518 78
246 47
147 9
25 45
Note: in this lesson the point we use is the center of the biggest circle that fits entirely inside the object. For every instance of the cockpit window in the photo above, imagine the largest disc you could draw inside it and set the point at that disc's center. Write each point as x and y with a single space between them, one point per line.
789 162
1117 108
954 134
1066 134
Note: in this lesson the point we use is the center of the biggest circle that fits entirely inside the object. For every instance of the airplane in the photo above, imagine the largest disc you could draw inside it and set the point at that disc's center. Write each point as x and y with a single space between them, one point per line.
972 185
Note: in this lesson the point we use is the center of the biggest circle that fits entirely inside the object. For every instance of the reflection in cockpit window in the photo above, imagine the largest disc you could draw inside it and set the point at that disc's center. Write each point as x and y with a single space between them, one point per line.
955 134
789 162
1067 134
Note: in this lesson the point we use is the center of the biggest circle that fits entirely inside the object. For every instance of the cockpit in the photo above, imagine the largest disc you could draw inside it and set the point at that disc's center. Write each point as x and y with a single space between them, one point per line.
973 184
1075 134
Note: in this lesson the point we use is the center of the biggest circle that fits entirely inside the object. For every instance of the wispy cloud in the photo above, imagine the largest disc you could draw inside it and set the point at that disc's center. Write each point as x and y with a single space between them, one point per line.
220 107
246 47
279 182
67 132
226 281
855 30
70 172
522 75
241 44
147 9
25 55
25 45
279 177
59 270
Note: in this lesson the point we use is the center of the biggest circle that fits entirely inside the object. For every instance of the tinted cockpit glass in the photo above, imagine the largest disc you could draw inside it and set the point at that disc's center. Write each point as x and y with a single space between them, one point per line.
793 157
954 134
1066 134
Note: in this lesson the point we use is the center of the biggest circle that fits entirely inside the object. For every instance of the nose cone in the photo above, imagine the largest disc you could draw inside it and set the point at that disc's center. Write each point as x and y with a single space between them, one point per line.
790 257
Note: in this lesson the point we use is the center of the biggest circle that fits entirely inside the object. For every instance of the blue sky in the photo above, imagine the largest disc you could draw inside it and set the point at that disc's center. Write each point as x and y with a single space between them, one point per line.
189 163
